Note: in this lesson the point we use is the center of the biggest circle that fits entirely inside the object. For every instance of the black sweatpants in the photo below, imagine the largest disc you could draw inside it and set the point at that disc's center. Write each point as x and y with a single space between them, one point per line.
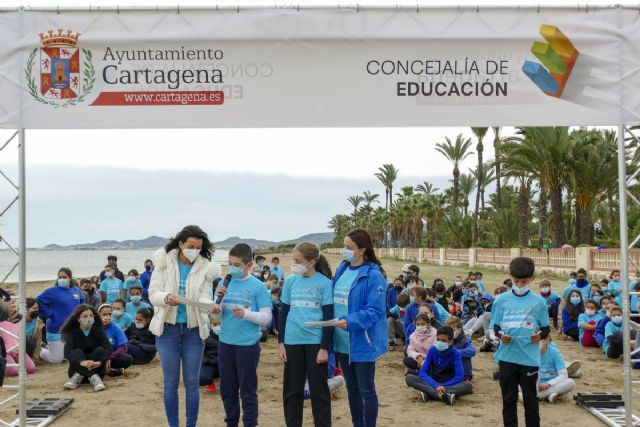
513 375
301 363
122 361
616 345
97 354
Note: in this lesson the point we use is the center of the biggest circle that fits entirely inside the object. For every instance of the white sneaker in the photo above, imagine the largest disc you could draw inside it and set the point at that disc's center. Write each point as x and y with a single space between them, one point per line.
520 397
424 397
74 382
97 383
577 374
553 397
573 367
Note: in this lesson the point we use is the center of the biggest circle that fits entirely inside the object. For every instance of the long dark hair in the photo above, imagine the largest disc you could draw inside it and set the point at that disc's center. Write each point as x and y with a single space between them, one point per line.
311 252
72 321
574 311
195 232
67 271
361 238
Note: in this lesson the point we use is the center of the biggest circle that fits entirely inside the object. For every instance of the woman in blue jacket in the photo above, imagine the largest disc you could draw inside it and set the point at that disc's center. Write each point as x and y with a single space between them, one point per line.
361 334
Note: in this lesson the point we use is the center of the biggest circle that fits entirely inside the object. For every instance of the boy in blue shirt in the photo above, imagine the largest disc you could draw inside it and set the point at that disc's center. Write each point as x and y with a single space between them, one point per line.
553 301
441 376
520 320
135 294
245 307
111 287
275 268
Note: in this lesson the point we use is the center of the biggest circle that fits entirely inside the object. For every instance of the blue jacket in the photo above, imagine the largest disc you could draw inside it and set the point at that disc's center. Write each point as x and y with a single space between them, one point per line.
567 323
598 335
392 297
467 351
56 305
145 279
442 367
366 320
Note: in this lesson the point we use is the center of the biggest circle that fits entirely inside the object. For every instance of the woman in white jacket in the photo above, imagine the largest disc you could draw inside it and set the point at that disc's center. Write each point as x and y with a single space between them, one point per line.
183 268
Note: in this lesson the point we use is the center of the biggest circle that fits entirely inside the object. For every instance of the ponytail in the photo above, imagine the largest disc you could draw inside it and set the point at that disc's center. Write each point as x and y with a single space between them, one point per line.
322 266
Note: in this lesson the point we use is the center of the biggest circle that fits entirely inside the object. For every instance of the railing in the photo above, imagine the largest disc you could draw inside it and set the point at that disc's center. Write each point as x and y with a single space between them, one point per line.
493 256
456 255
609 259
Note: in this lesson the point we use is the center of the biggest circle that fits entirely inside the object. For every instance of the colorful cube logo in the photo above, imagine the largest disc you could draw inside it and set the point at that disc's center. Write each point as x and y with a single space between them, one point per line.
558 56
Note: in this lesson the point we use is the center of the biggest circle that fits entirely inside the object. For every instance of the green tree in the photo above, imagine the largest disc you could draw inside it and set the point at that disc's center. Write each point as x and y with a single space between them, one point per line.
455 152
387 174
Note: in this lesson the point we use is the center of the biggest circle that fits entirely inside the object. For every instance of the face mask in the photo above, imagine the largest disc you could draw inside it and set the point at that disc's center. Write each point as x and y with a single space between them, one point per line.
597 298
608 313
147 268
117 313
572 281
216 329
458 283
35 314
348 255
236 272
575 300
590 312
520 291
472 281
63 283
545 290
617 320
140 325
581 282
472 294
399 287
108 274
136 299
298 269
86 321
90 291
191 254
441 346
422 329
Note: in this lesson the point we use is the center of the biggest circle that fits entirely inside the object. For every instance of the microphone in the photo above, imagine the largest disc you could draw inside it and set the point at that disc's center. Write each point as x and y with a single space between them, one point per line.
227 279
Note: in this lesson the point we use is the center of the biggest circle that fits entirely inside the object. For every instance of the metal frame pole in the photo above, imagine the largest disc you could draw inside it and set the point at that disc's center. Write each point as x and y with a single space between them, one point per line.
624 273
22 288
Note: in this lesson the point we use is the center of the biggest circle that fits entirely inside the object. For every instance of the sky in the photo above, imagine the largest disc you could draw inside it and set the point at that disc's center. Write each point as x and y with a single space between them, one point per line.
271 184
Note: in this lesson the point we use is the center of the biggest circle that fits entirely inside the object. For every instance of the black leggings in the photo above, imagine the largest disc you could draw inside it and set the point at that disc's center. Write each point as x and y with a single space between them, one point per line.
616 345
122 361
97 354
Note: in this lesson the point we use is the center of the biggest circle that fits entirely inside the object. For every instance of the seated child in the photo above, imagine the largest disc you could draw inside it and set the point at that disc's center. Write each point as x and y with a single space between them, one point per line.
604 302
86 347
442 375
34 328
587 322
553 301
573 307
441 296
472 311
119 360
135 295
440 313
428 311
613 340
119 316
91 296
554 379
131 280
463 343
420 342
142 343
490 341
598 334
9 332
209 369
417 296
395 319
335 379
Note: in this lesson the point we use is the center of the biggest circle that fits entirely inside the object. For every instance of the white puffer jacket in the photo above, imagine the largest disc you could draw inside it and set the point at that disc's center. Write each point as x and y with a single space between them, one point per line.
166 280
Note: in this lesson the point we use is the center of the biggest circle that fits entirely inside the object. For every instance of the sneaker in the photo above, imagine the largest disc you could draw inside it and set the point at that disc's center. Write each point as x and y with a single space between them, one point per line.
116 372
486 345
74 382
210 388
425 399
577 374
97 383
449 398
573 367
553 397
520 397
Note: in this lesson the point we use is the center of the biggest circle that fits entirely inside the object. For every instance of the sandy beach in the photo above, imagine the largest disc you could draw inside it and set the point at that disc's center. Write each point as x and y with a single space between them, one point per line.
136 398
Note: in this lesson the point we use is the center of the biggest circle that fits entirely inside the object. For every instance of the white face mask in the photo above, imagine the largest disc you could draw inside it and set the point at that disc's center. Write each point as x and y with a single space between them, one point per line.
520 291
422 329
544 290
139 325
191 254
298 269
590 312
117 313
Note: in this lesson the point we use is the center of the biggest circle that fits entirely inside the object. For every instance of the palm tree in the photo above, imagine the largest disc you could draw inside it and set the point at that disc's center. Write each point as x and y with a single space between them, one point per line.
387 174
426 188
483 177
340 226
496 162
467 185
369 198
455 152
479 134
355 202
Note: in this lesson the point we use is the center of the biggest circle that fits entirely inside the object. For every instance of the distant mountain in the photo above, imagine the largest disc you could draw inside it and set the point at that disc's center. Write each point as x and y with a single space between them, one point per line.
156 242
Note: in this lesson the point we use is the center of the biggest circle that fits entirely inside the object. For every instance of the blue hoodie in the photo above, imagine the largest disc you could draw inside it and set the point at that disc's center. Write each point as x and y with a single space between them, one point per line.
366 320
392 297
57 304
442 368
598 335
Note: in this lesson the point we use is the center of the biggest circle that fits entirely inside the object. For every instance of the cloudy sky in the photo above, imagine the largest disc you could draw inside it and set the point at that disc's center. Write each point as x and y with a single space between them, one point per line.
272 184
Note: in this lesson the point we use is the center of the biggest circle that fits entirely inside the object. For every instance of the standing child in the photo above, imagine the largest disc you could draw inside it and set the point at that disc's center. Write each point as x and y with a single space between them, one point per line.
420 342
245 308
587 322
135 295
121 317
209 370
553 301
573 307
119 360
554 378
441 376
520 319
276 269
307 296
276 305
142 343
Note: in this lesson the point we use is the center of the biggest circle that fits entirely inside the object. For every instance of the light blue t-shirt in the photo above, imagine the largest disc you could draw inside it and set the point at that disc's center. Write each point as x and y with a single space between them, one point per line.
248 293
128 284
584 318
520 318
181 317
585 291
480 285
306 296
112 287
552 298
550 363
615 288
133 309
278 272
610 329
442 312
124 321
341 307
635 300
31 327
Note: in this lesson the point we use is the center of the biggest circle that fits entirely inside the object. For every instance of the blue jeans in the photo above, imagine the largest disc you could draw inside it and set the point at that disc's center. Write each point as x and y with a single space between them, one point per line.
178 344
361 389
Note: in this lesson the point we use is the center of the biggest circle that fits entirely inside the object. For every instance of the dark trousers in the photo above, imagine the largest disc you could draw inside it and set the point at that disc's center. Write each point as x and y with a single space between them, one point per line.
97 354
361 389
410 363
573 333
140 357
301 364
31 347
460 389
122 361
616 343
553 314
513 375
238 365
208 374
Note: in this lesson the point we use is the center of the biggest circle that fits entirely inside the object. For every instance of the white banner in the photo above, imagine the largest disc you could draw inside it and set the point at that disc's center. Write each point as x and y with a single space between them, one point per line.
319 68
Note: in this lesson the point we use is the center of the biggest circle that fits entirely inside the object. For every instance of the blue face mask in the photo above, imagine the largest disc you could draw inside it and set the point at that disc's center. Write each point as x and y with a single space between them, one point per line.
572 281
216 329
236 272
136 299
441 346
348 255
575 300
597 298
63 283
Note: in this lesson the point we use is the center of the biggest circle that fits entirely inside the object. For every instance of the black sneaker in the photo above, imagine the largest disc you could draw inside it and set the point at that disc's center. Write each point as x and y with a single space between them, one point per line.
449 398
496 375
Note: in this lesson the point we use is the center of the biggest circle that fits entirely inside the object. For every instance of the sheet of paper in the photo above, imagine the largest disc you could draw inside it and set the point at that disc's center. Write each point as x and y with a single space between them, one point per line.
200 305
322 324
